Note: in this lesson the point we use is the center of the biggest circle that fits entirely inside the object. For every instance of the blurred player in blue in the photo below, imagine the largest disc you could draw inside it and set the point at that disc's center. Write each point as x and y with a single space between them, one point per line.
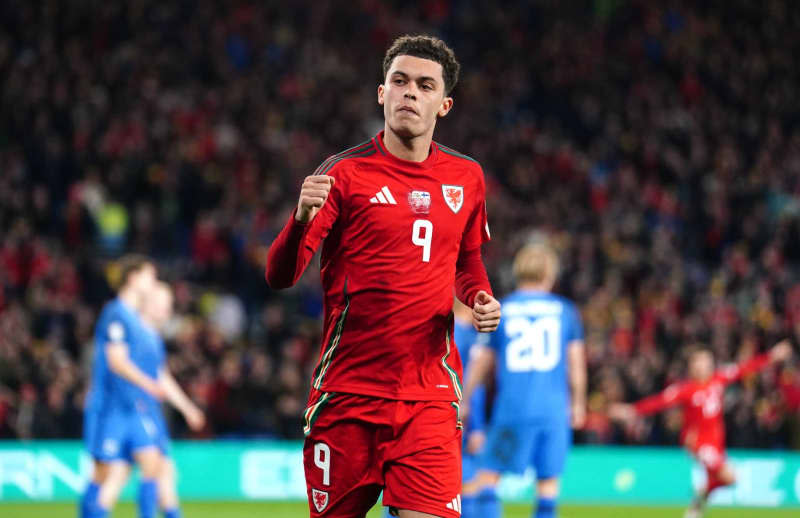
156 313
485 503
114 430
541 381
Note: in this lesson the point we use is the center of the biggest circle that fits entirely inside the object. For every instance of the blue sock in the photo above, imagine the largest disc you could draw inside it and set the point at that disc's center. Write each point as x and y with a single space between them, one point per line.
172 513
95 511
88 499
488 504
546 508
469 506
148 498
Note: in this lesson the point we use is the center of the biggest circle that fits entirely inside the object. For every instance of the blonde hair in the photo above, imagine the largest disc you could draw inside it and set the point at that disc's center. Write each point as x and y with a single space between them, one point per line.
537 263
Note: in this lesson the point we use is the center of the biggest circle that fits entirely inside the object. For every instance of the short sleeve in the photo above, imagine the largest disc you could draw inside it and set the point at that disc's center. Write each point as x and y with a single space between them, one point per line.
115 332
477 230
574 324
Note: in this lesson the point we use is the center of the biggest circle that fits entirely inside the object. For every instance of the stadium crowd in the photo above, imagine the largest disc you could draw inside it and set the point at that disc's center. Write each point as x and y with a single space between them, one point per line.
657 145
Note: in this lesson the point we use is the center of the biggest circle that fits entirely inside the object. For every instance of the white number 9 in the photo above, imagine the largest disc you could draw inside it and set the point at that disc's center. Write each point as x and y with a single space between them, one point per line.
423 241
322 460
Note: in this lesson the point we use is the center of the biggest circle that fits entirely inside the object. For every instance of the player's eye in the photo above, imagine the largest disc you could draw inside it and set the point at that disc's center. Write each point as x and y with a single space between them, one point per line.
427 86
398 81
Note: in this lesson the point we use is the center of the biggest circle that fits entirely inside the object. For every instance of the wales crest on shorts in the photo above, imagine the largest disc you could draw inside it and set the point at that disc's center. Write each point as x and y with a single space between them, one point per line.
320 499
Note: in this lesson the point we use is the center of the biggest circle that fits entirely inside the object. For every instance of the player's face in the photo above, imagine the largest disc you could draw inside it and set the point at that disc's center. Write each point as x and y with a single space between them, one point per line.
413 96
144 279
701 366
159 306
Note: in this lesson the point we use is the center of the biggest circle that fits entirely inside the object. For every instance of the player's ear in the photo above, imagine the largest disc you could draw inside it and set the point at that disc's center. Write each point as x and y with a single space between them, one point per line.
447 105
381 90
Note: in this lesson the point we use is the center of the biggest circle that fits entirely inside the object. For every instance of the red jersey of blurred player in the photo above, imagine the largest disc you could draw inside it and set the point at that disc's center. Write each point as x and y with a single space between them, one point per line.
401 232
701 396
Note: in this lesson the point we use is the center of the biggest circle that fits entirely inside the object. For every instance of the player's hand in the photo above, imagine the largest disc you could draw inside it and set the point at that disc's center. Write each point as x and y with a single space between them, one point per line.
313 193
621 412
475 442
463 411
781 351
578 416
195 418
485 312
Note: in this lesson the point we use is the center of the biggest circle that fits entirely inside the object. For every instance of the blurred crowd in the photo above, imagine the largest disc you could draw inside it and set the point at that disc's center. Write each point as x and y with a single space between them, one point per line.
655 144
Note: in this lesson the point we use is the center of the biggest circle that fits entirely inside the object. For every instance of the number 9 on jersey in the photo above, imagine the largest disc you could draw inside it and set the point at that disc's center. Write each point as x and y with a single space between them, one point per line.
423 239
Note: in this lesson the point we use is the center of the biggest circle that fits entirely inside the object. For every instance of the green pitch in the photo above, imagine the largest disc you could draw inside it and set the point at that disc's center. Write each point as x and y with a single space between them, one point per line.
299 510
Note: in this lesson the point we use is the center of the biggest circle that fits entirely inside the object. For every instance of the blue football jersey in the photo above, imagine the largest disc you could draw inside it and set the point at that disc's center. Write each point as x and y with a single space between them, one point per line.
149 355
117 323
531 349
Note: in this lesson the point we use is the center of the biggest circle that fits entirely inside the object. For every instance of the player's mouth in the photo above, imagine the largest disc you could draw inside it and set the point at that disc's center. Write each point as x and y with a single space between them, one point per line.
408 109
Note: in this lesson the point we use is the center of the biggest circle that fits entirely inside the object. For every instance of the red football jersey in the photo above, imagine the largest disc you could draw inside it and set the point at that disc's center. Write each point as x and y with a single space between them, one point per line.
393 232
703 422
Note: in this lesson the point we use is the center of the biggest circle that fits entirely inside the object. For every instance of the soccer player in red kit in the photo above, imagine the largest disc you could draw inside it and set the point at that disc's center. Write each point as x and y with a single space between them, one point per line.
701 396
401 220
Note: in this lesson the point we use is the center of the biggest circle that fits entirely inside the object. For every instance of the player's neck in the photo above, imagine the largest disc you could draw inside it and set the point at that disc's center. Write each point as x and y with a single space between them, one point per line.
534 286
129 298
415 149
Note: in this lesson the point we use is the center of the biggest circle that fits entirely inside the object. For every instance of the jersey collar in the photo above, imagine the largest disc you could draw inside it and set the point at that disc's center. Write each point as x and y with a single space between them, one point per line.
425 164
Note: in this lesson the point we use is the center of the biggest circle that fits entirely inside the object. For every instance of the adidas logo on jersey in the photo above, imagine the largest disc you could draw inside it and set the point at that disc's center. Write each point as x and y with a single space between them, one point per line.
455 505
383 197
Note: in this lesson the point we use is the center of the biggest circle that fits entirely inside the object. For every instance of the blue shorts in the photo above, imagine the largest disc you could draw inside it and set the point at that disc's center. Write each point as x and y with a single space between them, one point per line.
118 435
514 447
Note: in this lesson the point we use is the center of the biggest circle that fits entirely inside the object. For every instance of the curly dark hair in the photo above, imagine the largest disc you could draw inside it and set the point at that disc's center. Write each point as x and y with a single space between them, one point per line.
426 47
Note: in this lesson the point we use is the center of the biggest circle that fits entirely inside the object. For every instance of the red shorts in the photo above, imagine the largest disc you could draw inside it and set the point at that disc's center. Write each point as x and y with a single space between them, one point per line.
357 446
710 455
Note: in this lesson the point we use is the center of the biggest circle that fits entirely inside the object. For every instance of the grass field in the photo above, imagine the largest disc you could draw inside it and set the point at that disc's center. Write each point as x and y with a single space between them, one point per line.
299 510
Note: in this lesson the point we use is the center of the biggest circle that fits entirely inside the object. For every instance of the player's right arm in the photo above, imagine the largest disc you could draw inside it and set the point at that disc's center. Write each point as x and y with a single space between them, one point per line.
481 362
576 367
317 210
120 364
576 358
180 401
673 395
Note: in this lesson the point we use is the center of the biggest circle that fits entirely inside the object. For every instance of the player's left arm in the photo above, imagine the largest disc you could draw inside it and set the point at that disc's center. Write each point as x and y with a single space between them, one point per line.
778 353
576 365
178 399
472 282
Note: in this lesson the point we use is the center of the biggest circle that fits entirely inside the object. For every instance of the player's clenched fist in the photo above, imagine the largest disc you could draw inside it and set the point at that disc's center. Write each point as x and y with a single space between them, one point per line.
313 193
485 312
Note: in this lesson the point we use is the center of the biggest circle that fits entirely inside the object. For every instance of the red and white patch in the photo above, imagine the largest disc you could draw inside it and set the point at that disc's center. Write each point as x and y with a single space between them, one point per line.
420 202
320 499
453 196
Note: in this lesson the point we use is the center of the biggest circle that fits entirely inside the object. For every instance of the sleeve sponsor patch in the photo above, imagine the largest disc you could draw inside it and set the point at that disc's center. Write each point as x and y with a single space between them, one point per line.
116 331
